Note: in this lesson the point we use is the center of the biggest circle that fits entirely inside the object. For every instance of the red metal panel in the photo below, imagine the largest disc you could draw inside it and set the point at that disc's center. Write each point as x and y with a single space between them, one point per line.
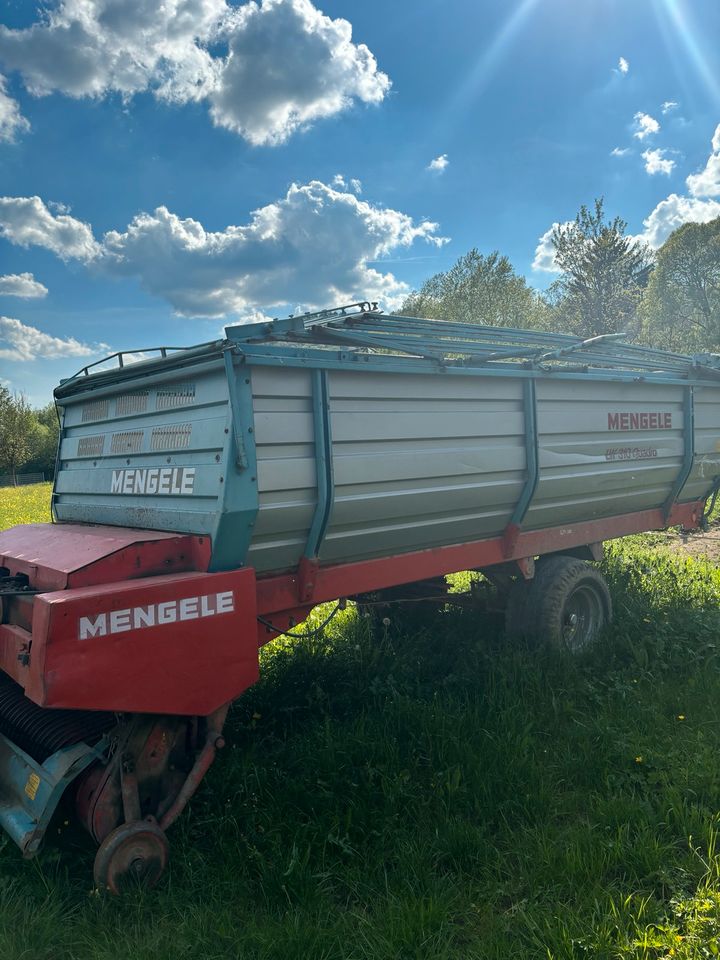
14 645
344 580
182 644
59 555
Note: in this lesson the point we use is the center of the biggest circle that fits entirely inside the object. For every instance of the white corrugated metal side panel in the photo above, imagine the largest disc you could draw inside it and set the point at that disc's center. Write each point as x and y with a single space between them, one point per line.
421 461
287 485
426 460
706 466
589 471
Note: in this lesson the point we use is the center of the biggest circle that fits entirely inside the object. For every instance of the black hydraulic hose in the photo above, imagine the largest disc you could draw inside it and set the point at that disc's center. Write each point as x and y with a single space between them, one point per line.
304 636
449 598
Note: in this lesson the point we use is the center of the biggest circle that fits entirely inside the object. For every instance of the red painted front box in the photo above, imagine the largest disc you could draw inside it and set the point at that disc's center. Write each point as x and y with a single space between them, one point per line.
182 644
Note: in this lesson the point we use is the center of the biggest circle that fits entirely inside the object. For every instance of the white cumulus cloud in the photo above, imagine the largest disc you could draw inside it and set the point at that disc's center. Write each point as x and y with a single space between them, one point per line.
88 48
341 183
667 216
672 213
669 105
319 244
312 247
22 285
675 210
545 251
439 164
18 341
620 151
12 122
645 125
623 65
657 162
287 65
27 221
707 182
265 69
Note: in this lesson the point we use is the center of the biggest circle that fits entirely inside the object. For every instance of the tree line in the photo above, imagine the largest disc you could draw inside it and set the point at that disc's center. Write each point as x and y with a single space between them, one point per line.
28 437
608 283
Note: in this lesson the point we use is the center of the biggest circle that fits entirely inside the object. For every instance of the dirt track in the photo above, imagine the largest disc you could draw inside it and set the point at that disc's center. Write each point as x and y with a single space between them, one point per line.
698 543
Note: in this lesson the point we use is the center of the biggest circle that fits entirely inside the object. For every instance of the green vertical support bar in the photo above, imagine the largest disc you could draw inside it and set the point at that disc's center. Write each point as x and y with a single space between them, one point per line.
323 463
235 523
688 451
512 531
238 438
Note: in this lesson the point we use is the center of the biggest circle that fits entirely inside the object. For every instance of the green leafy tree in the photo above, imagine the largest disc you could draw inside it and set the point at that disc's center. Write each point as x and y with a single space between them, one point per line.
681 307
18 431
604 273
478 289
46 433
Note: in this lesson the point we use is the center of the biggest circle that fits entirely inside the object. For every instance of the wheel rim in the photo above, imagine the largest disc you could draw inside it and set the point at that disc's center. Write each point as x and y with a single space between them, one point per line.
135 852
583 616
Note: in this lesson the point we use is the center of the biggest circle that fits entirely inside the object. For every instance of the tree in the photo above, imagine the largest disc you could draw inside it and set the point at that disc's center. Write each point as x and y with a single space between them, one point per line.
603 276
478 289
681 307
18 434
46 433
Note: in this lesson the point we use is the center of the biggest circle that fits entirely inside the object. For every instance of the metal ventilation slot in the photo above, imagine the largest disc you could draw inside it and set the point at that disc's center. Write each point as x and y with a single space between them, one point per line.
97 410
91 446
129 442
173 437
176 395
128 403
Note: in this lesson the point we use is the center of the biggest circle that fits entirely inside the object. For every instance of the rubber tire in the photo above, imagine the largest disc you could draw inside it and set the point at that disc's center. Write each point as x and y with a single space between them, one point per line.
536 608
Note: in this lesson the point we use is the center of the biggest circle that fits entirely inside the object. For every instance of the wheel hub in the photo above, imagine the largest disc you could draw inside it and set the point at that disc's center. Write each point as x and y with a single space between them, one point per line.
133 851
582 617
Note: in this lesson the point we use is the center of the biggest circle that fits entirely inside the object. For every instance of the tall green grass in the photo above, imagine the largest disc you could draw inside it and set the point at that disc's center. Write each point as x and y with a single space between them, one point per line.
426 790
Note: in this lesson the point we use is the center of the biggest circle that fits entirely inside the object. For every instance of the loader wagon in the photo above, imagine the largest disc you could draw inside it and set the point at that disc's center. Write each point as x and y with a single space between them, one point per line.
206 499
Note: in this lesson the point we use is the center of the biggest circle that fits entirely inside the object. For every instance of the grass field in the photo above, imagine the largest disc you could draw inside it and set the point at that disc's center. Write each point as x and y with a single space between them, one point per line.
432 792
24 504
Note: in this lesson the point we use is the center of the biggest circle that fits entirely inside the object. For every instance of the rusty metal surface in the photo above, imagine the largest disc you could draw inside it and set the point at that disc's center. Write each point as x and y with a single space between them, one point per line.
56 556
203 761
134 853
157 754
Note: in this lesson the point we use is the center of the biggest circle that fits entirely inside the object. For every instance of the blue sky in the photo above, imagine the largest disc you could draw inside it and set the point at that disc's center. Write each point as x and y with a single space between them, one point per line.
169 167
